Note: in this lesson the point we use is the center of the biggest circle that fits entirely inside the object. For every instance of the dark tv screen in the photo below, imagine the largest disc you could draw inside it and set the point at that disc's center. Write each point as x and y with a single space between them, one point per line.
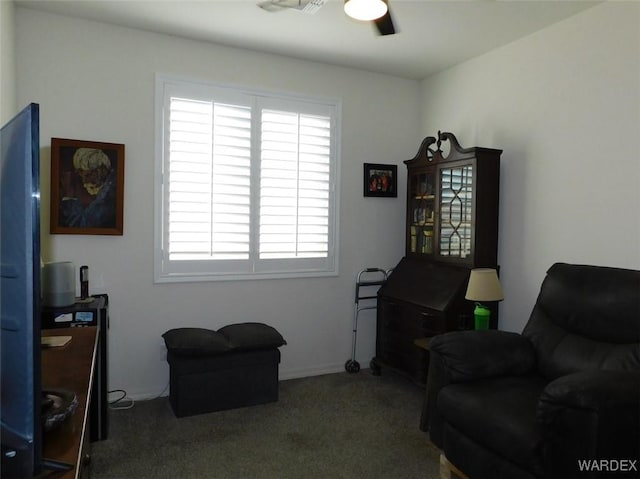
20 365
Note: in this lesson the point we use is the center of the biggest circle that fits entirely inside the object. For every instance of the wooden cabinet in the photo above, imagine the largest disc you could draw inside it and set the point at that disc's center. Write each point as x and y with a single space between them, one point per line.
452 203
451 227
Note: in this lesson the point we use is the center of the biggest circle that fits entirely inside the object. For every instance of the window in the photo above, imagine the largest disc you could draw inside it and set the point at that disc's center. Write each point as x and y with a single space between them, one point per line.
246 183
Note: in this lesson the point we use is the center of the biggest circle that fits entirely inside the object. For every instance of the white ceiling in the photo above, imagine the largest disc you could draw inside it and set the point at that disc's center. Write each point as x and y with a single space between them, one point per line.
432 35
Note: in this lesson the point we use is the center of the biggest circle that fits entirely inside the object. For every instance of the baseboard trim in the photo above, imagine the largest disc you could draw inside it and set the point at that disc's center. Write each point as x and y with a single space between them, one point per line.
307 372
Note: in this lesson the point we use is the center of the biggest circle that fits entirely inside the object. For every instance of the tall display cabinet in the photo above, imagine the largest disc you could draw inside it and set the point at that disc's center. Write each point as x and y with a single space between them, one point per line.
451 227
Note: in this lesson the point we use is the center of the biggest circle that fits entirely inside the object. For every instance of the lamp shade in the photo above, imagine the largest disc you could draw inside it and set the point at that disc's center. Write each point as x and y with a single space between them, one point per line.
365 9
484 285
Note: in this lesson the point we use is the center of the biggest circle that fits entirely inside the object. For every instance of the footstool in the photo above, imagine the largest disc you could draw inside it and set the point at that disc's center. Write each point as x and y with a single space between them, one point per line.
232 367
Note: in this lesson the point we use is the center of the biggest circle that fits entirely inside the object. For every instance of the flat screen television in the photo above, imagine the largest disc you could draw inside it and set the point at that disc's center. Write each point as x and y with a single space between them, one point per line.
20 401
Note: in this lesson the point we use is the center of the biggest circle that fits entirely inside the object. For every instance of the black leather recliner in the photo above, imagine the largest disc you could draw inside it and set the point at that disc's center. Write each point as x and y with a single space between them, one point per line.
561 400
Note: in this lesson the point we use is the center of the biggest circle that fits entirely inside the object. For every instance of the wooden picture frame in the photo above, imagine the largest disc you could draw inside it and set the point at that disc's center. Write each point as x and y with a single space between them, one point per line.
87 187
380 180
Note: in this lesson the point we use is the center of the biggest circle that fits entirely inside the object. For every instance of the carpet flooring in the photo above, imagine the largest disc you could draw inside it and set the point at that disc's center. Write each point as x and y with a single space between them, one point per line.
336 426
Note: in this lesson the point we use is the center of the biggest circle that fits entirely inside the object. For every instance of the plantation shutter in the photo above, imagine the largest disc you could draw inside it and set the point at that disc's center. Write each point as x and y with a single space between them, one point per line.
247 183
295 159
209 180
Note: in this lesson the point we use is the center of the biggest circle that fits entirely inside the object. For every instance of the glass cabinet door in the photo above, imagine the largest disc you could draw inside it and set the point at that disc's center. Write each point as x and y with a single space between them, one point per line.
455 202
421 213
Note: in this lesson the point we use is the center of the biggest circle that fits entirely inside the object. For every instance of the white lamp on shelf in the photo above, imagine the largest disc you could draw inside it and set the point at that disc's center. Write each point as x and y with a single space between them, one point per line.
484 285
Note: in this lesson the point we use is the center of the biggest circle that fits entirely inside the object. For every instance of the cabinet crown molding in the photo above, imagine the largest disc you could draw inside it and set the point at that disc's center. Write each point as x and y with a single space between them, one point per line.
428 155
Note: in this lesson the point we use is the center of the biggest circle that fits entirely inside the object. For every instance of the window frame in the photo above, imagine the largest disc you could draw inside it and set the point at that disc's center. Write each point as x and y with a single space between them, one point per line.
167 271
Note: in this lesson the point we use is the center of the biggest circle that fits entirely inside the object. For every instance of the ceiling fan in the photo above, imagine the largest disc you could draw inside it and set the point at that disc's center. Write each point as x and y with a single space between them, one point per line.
381 19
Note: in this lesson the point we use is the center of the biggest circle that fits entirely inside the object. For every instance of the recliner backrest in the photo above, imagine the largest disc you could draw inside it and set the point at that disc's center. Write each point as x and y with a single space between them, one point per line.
586 317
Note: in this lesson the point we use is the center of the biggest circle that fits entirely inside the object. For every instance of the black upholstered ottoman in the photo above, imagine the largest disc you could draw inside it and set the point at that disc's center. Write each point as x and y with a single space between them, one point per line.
233 367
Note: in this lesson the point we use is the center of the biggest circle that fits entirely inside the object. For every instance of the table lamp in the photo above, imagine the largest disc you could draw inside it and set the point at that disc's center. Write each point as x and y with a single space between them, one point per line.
483 286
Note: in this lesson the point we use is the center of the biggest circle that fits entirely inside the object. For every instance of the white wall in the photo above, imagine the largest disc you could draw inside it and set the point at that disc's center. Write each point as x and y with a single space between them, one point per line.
564 105
95 82
8 105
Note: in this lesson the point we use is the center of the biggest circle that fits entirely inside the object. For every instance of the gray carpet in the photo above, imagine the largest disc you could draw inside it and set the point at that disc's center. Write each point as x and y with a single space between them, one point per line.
335 426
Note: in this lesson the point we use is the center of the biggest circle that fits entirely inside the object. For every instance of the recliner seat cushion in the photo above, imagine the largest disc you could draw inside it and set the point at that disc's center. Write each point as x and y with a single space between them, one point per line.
499 414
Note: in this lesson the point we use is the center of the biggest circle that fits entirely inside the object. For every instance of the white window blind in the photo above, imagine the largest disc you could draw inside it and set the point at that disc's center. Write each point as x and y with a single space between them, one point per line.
209 180
246 184
294 185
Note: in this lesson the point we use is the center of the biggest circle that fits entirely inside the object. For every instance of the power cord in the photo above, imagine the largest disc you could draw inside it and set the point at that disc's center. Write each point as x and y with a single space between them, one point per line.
128 402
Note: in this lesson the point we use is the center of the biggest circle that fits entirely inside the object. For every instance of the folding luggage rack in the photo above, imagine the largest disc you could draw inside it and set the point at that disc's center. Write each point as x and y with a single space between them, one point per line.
367 278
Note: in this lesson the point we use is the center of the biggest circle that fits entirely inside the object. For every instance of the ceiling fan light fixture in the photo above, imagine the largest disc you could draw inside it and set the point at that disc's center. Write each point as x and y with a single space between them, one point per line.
365 10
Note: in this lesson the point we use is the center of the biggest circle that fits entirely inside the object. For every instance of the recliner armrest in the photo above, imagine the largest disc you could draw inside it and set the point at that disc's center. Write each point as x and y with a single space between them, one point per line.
461 356
591 416
470 355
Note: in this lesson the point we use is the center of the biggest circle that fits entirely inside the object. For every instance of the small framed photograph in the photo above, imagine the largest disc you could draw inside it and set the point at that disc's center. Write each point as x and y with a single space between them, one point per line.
87 187
380 180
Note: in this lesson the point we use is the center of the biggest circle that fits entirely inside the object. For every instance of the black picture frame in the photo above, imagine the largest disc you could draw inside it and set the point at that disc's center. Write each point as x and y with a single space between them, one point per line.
380 180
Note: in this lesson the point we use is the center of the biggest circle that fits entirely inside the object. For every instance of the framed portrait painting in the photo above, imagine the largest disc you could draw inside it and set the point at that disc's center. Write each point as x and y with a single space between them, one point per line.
380 180
87 187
